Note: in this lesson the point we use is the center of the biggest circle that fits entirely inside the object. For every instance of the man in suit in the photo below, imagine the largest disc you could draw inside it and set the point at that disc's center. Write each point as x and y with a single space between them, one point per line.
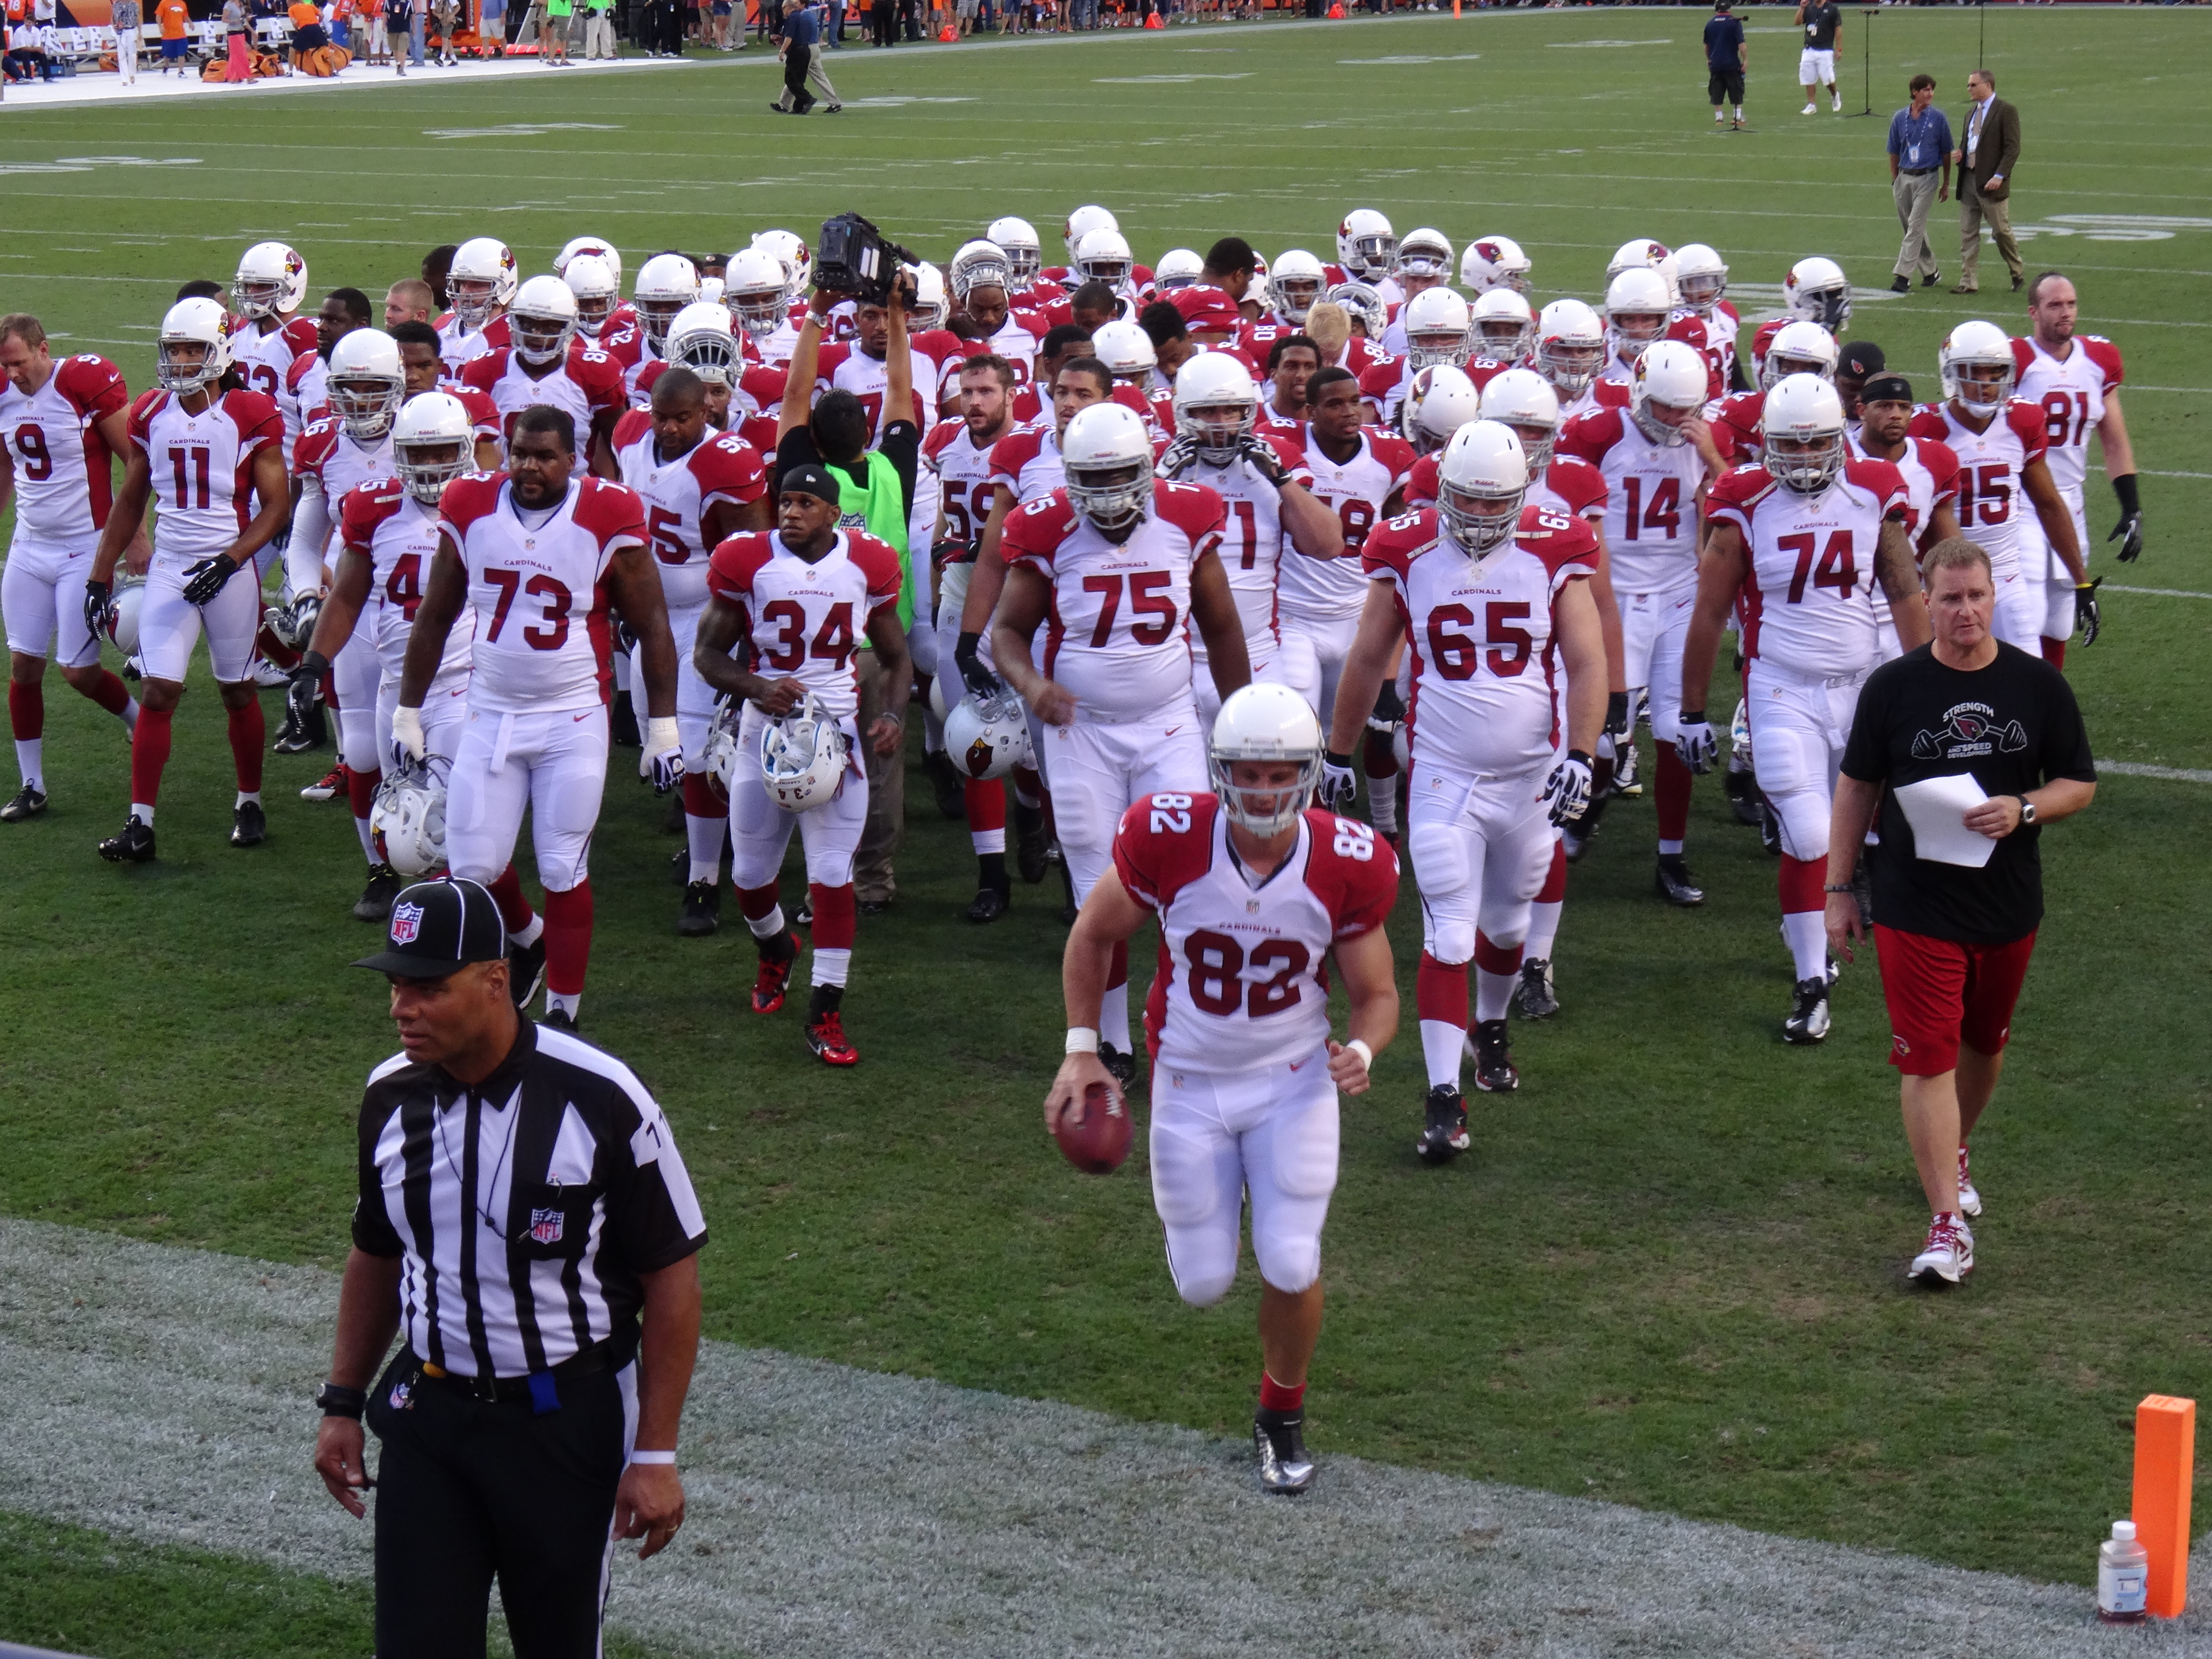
1985 165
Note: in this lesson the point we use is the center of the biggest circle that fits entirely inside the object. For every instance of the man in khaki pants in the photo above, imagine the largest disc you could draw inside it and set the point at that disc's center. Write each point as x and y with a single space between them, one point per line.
1985 165
598 28
1919 177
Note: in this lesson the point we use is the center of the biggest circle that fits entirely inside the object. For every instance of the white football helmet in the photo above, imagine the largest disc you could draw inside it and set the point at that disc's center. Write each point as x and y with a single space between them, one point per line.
700 339
542 321
1640 255
408 822
1672 375
1179 267
123 606
193 349
803 757
1817 291
1700 276
1801 428
1019 238
1505 326
981 264
721 755
1493 262
1481 484
1102 256
1124 348
1364 306
1265 722
593 247
368 382
754 291
1216 405
1525 400
1636 304
1294 284
1571 346
1800 348
597 291
1423 252
795 258
1971 348
271 280
988 737
1108 456
482 278
293 619
665 284
1366 246
433 443
710 290
1437 329
930 306
1081 223
1439 401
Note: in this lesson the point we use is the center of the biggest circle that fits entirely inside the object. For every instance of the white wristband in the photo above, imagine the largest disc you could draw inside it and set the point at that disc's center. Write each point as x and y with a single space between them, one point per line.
653 1457
1082 1040
1366 1055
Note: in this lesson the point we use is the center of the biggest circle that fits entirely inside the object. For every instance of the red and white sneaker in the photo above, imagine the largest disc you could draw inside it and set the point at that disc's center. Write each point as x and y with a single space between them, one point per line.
769 983
332 784
1970 1201
826 1037
1948 1256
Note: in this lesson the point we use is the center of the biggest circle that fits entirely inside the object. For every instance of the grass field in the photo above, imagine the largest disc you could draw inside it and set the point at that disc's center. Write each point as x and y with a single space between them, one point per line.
1670 1275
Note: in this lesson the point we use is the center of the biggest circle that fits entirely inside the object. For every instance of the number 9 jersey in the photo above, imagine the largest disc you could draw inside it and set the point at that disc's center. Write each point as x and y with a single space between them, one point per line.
1243 980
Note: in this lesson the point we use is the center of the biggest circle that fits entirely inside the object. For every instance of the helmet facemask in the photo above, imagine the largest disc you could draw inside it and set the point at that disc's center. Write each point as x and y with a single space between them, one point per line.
1113 498
1570 365
539 340
1426 351
187 365
1971 385
1635 331
428 465
366 404
654 318
1265 810
1478 523
1805 466
1702 292
1294 296
712 356
256 300
1217 429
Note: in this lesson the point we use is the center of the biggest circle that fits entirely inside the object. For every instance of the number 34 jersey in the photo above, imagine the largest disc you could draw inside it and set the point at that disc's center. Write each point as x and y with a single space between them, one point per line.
398 537
536 583
805 620
1243 980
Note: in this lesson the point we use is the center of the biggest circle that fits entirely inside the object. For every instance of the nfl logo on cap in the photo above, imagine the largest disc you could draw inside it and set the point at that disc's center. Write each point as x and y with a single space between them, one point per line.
406 922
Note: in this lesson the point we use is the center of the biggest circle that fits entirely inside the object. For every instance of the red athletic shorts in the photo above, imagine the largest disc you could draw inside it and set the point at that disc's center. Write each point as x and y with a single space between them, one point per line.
1941 994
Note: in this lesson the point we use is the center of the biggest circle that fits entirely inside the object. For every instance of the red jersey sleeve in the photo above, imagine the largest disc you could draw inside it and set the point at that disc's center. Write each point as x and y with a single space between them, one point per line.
1392 543
634 425
1286 451
255 415
467 499
1352 871
1164 844
2023 355
728 469
1378 382
481 374
2027 422
601 377
1738 494
2106 356
941 436
1393 450
1421 481
613 513
1942 466
484 414
1577 483
1567 545
1882 481
1737 426
1196 509
733 564
879 564
142 413
1011 453
829 360
1610 394
1927 422
316 446
763 383
301 339
1033 534
365 507
1588 437
92 386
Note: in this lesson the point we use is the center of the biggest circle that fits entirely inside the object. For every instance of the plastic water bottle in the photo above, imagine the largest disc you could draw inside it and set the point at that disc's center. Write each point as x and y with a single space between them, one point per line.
2123 1576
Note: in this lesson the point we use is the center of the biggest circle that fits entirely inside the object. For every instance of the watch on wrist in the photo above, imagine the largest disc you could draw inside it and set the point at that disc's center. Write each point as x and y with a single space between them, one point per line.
2026 810
335 1400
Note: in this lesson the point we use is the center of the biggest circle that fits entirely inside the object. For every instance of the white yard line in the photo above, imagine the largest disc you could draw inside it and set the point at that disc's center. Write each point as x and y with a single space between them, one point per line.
2171 773
2157 593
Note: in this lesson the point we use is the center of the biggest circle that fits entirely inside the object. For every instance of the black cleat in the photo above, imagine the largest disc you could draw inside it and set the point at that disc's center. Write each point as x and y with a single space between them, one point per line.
526 970
1769 830
27 803
702 911
1627 779
1672 878
622 722
672 820
557 1019
679 866
1493 1058
1279 1442
1743 791
249 824
1031 856
295 736
375 904
1574 838
1444 1136
1808 1012
988 905
803 916
1123 1067
134 846
944 779
1534 996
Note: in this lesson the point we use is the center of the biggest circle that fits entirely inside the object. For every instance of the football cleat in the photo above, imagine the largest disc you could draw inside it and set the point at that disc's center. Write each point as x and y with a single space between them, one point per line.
988 905
526 970
296 737
803 916
1493 1058
328 787
622 723
1279 1442
774 976
679 866
557 1019
1769 830
1032 853
27 803
134 846
375 904
268 677
1970 1199
1574 838
1534 996
702 912
249 824
1123 1067
826 1037
944 780
1808 1012
1443 1137
1742 792
1948 1256
1672 878
1627 779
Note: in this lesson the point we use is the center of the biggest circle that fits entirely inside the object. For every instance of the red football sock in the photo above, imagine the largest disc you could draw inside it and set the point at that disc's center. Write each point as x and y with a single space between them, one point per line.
361 790
567 939
275 649
1673 790
149 753
2054 652
1554 890
702 800
1440 991
758 902
1278 1396
249 734
1800 881
110 692
27 709
514 911
987 803
1494 958
837 916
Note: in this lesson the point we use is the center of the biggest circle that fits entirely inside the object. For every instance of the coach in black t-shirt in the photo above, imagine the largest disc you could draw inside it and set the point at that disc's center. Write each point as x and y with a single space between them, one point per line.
1954 940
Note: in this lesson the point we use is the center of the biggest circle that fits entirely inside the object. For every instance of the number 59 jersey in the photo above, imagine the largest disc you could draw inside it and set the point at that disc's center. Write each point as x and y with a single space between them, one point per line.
807 621
1243 979
1482 635
542 641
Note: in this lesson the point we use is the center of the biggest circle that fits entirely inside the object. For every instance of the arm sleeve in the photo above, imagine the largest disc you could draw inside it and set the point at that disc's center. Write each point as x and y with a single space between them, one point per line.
311 535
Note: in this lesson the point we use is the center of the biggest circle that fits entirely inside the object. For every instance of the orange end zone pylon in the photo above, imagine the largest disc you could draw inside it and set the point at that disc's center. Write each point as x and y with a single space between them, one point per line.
2165 1462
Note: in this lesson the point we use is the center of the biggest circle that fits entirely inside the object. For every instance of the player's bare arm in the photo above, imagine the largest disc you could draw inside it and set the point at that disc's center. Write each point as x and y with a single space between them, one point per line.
601 446
445 590
885 731
1942 527
1721 571
1371 985
1899 576
989 579
1021 609
1381 632
1213 607
1109 917
721 630
270 484
2057 521
368 1318
726 518
130 509
634 586
898 364
1582 643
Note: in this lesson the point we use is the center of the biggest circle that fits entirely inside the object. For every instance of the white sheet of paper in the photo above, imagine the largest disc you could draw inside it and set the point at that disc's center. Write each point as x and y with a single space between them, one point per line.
1936 809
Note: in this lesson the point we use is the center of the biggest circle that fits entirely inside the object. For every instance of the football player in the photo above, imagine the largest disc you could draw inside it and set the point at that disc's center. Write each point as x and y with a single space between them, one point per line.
598 287
61 424
1291 361
213 448
303 395
799 600
1492 262
540 554
1701 280
1254 891
1504 327
269 333
1800 540
1813 290
983 286
1638 311
665 284
1124 565
1798 348
1424 261
1366 250
1439 329
757 290
1570 351
547 367
861 366
2074 379
1929 470
480 283
1127 350
1062 343
1481 812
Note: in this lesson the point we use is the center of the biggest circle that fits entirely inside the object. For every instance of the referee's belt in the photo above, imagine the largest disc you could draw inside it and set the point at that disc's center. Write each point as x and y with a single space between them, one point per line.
503 1390
1916 172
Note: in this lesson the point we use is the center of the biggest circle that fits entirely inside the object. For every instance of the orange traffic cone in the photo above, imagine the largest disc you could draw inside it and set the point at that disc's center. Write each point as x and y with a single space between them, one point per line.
950 34
1336 10
1153 20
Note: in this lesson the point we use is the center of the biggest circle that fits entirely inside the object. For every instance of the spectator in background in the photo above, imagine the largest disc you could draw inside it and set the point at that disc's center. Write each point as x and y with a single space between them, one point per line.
127 20
883 23
341 25
1919 176
1986 161
491 29
238 65
598 28
174 18
802 62
32 50
309 33
444 17
558 15
1727 58
435 264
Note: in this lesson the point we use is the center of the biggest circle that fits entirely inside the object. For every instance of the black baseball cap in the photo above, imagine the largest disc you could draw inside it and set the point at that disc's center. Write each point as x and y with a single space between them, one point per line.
1862 358
437 928
1887 389
809 479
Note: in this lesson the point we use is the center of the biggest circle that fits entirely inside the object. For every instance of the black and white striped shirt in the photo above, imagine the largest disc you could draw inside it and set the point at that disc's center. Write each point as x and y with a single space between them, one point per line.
525 1208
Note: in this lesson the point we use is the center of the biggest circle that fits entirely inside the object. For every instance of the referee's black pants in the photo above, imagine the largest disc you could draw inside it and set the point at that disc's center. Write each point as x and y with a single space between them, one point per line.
466 1492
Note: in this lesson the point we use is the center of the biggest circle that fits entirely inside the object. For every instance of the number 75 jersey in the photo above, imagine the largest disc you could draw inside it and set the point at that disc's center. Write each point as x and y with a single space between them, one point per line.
1243 979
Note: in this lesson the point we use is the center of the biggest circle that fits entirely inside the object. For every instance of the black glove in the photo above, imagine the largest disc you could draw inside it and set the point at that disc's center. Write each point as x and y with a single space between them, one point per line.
1389 708
204 581
1616 714
2086 616
99 596
968 657
625 636
1339 786
951 551
1567 791
1262 453
306 688
2128 531
1177 458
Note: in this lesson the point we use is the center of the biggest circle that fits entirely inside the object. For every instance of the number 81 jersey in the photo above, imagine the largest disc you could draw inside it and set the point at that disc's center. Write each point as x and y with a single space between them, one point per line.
1243 980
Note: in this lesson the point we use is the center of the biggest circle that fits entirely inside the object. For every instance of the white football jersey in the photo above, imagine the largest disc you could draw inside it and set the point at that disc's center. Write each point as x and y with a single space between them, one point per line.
1993 511
2070 391
1027 461
203 469
64 483
1328 589
677 495
398 537
807 621
955 489
1650 504
339 460
1251 541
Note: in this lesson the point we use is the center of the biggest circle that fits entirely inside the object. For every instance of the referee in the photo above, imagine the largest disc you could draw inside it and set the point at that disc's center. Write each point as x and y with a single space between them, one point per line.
526 1225
1954 940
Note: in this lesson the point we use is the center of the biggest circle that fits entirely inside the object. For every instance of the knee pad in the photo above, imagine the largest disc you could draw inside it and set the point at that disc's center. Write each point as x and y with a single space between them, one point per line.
1445 875
1804 816
357 744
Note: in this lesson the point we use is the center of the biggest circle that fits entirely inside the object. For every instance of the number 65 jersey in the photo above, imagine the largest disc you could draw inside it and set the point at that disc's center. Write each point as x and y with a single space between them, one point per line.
1243 979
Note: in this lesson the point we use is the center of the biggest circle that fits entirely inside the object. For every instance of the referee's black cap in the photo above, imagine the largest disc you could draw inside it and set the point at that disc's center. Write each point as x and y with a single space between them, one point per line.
437 928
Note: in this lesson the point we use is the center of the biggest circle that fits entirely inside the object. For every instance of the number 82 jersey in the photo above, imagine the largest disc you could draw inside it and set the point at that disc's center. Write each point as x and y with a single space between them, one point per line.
1243 979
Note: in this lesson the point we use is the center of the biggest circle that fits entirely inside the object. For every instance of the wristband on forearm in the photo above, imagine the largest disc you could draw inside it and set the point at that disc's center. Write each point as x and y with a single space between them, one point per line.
2124 488
314 663
1692 717
1616 711
1366 1055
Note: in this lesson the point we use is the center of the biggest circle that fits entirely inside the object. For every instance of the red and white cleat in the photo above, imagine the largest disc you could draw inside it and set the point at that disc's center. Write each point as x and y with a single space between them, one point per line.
1970 1201
826 1037
332 784
769 983
1948 1256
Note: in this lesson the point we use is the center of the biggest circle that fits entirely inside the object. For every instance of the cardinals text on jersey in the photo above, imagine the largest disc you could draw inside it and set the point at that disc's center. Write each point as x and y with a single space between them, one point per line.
203 468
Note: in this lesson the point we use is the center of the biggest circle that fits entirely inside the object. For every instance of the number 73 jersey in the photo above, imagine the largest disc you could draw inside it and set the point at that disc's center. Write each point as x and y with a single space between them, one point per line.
1243 980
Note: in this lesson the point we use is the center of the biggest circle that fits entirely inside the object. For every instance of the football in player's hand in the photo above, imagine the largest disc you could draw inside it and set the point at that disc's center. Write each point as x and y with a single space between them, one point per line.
1094 1133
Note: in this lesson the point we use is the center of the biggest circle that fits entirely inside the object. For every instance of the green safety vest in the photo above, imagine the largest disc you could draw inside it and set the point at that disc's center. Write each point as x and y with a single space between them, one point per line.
879 509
